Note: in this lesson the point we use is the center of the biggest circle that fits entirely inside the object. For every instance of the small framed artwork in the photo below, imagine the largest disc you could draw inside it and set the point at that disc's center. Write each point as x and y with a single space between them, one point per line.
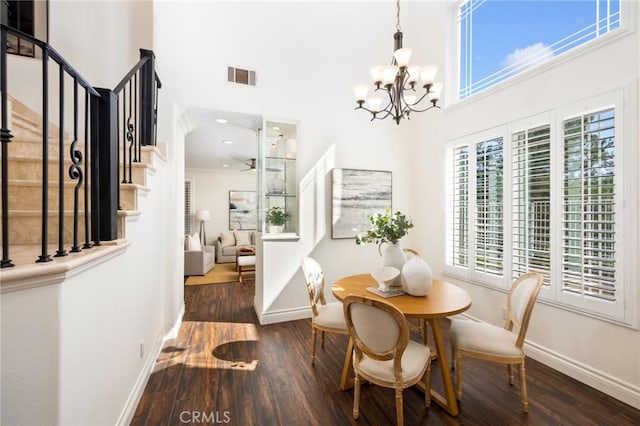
354 195
243 210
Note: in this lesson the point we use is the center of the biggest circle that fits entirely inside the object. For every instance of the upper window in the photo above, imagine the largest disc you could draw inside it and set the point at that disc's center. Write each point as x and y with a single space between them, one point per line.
499 39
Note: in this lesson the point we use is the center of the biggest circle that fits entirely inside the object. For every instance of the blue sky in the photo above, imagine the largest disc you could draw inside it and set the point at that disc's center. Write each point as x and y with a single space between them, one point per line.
517 27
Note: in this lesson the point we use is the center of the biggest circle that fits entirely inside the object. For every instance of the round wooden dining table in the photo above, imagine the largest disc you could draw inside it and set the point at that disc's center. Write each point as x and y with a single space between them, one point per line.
443 299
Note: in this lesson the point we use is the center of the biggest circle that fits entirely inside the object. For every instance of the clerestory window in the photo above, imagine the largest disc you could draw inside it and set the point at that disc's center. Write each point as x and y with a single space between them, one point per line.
500 39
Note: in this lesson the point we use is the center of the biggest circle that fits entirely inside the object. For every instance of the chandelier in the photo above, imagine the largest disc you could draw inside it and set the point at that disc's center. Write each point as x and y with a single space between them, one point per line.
400 83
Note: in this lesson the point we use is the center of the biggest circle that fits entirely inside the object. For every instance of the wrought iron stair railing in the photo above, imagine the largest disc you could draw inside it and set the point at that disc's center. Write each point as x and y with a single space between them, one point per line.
114 121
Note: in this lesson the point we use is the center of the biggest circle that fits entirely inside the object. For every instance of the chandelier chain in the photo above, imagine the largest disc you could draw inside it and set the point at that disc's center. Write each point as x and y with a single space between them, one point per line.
397 15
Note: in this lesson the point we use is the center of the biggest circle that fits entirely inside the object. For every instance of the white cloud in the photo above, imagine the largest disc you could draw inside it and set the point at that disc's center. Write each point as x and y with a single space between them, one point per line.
524 58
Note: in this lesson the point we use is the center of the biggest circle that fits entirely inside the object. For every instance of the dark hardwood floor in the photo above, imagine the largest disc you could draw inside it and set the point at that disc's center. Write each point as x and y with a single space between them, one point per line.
225 368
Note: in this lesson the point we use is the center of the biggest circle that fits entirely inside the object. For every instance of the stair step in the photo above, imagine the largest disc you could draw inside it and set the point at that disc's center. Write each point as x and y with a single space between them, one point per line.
25 226
27 168
27 195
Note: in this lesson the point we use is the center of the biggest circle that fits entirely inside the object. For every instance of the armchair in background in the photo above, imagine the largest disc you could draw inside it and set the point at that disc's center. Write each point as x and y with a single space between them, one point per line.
198 259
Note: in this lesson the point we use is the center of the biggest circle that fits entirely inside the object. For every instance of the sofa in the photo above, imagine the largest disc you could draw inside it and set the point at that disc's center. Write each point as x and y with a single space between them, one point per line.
198 259
228 242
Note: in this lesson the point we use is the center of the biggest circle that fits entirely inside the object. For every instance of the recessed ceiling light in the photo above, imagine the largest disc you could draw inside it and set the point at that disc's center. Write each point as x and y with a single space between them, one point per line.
221 120
227 141
225 165
276 128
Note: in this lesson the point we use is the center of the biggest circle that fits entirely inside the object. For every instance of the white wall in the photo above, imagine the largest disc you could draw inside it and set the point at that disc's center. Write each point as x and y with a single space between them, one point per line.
211 192
71 351
578 345
308 55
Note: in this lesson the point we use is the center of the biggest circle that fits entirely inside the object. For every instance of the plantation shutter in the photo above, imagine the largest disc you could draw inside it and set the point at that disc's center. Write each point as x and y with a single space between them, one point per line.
187 207
531 202
457 250
489 213
588 217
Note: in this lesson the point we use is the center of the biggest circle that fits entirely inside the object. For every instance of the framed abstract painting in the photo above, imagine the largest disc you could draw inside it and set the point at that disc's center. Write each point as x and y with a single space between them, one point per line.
354 195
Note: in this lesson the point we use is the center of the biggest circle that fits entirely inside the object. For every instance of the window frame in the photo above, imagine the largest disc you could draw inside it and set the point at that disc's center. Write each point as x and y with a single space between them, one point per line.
623 311
627 26
470 272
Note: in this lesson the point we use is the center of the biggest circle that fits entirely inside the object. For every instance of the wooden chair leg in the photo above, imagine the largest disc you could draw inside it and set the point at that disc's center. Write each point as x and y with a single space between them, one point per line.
510 373
427 386
423 328
322 339
523 389
314 332
459 375
399 410
356 397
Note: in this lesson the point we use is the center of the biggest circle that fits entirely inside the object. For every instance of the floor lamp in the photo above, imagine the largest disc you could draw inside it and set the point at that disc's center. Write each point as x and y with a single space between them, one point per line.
203 216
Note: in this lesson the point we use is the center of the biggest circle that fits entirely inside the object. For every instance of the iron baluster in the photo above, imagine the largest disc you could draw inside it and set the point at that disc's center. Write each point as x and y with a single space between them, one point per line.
87 150
75 169
129 134
5 138
44 256
61 251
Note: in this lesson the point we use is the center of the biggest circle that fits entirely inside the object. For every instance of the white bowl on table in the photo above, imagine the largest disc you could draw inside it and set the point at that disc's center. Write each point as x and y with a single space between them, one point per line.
384 276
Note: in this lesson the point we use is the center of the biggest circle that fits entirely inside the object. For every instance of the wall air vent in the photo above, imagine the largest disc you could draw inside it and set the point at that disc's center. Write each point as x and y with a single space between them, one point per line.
241 76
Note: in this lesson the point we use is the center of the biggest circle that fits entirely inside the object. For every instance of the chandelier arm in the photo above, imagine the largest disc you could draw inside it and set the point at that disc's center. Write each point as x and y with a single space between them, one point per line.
426 109
417 102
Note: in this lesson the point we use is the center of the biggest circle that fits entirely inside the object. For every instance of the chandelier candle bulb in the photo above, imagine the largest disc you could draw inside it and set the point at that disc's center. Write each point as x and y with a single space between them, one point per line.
375 103
361 91
389 74
414 74
434 92
376 74
402 56
428 74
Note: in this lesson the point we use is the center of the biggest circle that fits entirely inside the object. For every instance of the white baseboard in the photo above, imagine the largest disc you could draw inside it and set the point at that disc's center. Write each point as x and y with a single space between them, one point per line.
284 315
138 389
612 386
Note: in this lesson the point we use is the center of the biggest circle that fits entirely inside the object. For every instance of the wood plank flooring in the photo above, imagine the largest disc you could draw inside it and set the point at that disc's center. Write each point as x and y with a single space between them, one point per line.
224 368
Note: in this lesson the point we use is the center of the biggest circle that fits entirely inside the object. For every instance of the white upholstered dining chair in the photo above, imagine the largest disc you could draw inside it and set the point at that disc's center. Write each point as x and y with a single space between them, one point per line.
325 316
492 343
383 353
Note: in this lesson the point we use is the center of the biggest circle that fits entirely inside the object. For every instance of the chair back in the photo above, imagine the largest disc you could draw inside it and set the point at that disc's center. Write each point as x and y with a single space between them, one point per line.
409 252
379 330
522 297
314 278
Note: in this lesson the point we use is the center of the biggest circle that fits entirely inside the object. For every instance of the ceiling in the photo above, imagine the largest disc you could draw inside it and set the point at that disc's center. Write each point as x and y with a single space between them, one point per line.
205 147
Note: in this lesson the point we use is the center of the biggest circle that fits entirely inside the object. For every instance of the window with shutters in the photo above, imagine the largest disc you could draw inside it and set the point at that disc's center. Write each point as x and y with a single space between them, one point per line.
567 184
488 207
187 207
474 223
457 220
531 202
589 205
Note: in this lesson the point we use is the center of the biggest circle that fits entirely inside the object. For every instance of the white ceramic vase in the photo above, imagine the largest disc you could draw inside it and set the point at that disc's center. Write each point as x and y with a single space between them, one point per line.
392 255
276 229
416 277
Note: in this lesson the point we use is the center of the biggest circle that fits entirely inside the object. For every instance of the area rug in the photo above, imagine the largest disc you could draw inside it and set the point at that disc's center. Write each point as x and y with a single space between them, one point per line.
222 273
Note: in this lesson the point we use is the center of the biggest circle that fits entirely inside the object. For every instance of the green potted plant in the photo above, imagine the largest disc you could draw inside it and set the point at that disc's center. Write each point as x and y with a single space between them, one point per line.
276 217
387 228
